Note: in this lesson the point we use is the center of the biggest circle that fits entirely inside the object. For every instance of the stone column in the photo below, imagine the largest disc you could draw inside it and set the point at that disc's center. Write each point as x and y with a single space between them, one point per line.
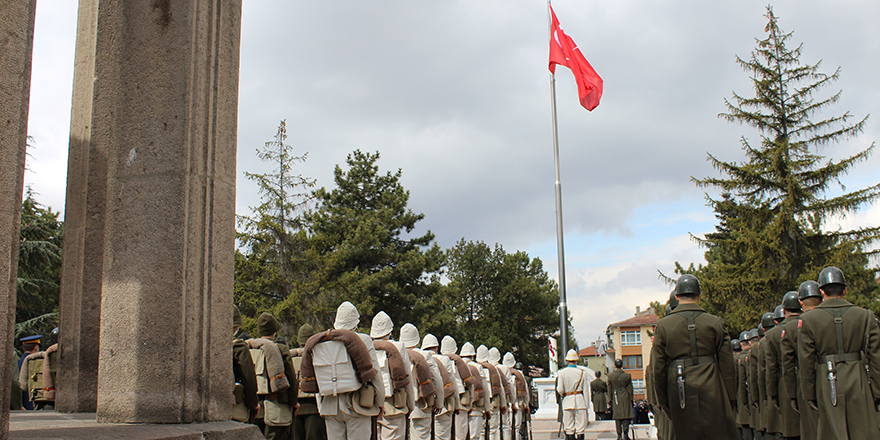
16 45
164 112
84 213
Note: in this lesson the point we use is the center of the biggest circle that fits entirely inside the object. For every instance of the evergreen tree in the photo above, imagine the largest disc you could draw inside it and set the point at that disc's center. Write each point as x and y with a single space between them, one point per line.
499 299
39 262
774 204
268 265
362 247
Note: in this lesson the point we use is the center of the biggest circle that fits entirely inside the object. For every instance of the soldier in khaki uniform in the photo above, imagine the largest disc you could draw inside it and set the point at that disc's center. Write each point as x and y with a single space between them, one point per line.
598 391
398 402
776 385
809 297
571 384
276 406
308 425
620 394
448 347
836 343
479 413
246 403
693 368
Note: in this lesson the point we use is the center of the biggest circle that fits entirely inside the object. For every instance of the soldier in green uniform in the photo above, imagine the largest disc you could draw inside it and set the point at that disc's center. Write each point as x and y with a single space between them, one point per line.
743 416
776 385
246 403
598 389
309 425
694 370
771 379
809 297
620 394
758 373
789 423
751 360
836 343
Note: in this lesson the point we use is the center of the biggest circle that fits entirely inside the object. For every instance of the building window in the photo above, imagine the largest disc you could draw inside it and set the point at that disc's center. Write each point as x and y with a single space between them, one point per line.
638 386
632 362
631 338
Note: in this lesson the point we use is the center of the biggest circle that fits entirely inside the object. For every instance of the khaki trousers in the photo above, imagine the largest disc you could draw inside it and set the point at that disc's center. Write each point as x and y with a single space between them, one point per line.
345 426
574 421
392 428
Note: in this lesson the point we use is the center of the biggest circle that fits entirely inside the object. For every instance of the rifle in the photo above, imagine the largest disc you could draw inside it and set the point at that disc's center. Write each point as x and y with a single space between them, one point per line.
487 415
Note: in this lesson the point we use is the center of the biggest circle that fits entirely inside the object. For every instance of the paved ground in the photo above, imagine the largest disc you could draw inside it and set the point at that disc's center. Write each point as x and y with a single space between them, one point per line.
604 429
49 425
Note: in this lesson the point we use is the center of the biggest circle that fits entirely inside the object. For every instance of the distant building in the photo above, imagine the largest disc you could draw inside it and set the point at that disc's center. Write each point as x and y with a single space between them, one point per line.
631 341
593 358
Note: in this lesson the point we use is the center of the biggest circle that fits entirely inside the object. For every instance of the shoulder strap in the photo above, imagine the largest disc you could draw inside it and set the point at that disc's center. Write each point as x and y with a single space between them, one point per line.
691 316
837 313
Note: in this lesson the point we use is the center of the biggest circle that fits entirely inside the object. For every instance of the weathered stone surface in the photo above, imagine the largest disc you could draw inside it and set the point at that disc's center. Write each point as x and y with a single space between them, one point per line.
84 214
16 47
164 112
50 425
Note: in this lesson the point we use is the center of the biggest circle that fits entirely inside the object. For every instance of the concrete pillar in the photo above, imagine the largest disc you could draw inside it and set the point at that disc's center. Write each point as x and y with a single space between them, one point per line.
16 45
161 116
84 214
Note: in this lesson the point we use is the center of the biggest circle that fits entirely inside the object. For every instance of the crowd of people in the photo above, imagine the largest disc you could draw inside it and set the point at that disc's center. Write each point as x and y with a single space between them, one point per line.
341 384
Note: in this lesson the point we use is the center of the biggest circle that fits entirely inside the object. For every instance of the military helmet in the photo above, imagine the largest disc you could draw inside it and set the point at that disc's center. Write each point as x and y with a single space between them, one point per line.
790 301
753 333
809 289
687 284
737 346
744 336
767 321
668 310
831 275
778 313
673 302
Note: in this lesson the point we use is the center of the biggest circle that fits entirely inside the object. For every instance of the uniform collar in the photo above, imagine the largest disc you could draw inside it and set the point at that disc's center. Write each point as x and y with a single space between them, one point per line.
835 302
571 366
688 307
790 318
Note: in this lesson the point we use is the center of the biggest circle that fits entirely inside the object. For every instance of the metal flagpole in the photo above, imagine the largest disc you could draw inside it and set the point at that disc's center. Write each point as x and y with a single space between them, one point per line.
560 248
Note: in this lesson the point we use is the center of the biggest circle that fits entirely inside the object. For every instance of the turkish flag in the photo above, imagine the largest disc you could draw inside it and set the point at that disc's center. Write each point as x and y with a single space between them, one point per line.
564 51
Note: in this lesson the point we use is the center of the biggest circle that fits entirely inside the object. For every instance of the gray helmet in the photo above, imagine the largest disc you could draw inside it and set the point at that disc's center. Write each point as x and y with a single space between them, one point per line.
809 289
790 301
736 345
744 336
668 310
831 275
687 284
753 334
618 363
767 321
778 314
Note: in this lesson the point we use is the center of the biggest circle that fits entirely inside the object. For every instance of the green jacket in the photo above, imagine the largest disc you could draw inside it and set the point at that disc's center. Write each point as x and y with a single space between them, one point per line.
783 419
743 416
243 371
854 416
808 421
709 385
620 394
754 390
598 391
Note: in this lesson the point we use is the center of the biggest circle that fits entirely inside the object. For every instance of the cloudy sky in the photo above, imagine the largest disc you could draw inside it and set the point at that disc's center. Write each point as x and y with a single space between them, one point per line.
457 94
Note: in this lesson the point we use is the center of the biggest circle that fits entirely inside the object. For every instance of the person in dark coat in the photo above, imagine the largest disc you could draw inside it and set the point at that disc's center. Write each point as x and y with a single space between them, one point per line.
620 396
308 425
598 391
246 403
837 341
693 368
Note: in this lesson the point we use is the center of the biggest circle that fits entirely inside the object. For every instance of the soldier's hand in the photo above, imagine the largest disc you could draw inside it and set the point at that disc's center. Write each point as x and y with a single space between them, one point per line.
877 404
813 406
775 401
794 406
756 406
664 409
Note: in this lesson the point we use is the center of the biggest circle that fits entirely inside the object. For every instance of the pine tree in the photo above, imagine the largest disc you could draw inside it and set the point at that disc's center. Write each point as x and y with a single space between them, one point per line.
774 204
272 244
39 261
360 243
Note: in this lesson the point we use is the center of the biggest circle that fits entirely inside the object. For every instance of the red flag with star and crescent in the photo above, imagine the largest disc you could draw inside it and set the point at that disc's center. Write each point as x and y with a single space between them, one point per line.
564 51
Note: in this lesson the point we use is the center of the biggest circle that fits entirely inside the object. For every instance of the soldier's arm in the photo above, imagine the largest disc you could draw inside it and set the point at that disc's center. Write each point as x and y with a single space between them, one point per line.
659 361
742 391
772 371
788 347
807 358
762 371
753 375
725 361
377 381
243 368
872 352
